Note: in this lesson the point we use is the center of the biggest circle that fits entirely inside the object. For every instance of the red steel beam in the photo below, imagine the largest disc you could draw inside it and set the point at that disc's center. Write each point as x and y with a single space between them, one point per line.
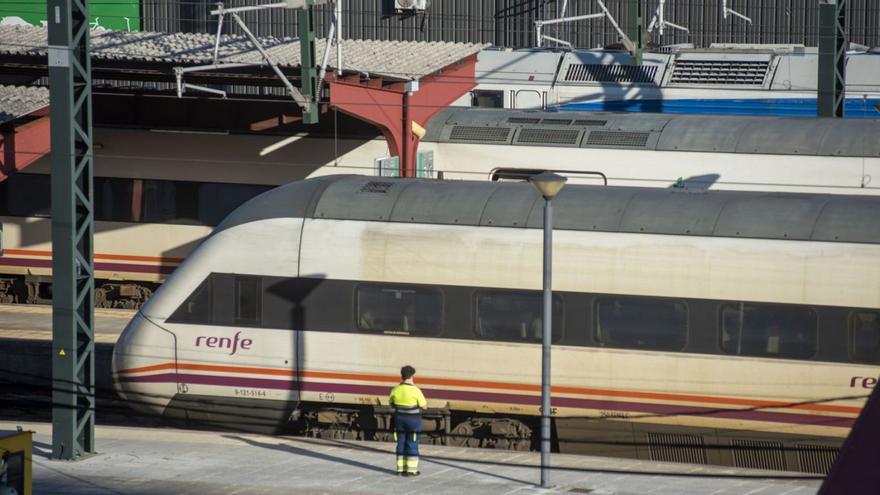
393 110
24 144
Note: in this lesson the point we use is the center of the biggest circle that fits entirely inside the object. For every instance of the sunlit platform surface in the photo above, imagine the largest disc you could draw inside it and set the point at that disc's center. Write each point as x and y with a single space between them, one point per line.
34 322
170 461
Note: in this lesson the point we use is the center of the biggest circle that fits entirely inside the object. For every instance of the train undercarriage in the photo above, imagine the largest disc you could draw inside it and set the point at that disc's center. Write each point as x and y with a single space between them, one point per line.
37 289
439 427
602 437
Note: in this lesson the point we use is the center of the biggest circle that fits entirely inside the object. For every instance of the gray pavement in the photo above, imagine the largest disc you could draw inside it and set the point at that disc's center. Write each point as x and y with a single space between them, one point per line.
34 322
170 461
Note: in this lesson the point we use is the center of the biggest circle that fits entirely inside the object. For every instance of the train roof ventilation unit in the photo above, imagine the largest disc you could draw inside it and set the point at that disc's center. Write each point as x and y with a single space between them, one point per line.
611 73
548 136
588 122
480 134
556 121
720 72
523 120
618 138
377 187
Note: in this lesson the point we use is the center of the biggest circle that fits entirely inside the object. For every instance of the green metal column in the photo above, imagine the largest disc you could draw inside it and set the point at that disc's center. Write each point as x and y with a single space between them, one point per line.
309 72
636 29
73 288
833 43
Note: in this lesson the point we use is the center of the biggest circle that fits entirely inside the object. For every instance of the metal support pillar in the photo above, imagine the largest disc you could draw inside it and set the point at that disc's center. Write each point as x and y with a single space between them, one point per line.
547 335
833 44
636 30
73 287
309 74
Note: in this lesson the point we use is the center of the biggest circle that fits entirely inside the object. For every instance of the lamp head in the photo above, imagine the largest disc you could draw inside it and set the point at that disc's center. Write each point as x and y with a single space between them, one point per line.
548 184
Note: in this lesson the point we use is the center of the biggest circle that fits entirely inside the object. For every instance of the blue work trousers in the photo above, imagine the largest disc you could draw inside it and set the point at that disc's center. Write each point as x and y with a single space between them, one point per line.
407 429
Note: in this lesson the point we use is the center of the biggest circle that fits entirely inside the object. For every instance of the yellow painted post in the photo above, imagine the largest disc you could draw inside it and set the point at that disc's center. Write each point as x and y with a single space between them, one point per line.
16 449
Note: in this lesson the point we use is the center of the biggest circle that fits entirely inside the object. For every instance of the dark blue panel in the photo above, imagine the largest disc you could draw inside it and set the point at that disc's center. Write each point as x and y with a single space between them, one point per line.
778 107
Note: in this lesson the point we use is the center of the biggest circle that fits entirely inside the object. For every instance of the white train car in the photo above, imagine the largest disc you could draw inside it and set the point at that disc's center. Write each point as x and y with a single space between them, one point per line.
720 327
653 150
724 79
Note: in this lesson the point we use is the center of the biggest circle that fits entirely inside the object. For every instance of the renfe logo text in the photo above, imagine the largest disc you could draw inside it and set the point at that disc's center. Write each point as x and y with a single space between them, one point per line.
233 344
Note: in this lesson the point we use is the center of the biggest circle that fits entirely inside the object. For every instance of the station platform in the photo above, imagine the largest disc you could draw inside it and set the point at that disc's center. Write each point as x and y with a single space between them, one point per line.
165 461
34 322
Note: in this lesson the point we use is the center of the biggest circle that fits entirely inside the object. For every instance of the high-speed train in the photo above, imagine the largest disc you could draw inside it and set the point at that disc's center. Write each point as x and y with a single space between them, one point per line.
159 193
738 328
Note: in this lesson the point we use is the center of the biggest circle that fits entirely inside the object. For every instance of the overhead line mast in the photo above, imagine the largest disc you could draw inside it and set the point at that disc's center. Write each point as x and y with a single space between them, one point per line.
833 44
73 282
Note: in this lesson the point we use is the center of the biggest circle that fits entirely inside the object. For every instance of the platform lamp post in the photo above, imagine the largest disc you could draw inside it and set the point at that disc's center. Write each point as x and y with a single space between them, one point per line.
549 185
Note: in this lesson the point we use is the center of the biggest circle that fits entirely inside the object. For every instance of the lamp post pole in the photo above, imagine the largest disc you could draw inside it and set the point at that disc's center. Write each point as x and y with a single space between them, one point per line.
545 346
549 185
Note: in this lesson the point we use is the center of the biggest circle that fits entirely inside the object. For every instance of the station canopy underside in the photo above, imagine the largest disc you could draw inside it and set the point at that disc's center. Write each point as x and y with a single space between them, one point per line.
121 56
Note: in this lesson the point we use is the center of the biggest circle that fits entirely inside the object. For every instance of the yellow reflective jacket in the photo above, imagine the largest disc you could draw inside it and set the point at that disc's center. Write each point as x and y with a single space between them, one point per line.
406 398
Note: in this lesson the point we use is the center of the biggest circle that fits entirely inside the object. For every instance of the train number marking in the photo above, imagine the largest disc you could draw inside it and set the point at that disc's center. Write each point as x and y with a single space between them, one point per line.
613 414
250 392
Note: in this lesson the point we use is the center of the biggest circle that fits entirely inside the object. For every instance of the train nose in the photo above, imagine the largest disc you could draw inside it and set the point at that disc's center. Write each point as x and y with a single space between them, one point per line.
144 368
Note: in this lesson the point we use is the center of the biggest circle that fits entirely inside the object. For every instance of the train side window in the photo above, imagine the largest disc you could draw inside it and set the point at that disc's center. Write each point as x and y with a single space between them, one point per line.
247 300
30 195
488 99
170 202
514 316
4 197
641 323
159 201
197 307
113 199
399 310
768 330
864 336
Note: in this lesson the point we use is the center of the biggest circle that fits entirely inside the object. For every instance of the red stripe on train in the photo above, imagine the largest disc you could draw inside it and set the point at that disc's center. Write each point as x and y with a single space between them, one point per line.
644 408
100 266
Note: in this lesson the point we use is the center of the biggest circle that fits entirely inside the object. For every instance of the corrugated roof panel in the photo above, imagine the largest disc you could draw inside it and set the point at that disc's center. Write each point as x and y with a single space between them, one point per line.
18 101
393 59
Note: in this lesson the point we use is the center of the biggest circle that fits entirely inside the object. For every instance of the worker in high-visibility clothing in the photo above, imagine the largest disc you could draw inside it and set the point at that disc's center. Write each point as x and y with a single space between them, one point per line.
408 402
